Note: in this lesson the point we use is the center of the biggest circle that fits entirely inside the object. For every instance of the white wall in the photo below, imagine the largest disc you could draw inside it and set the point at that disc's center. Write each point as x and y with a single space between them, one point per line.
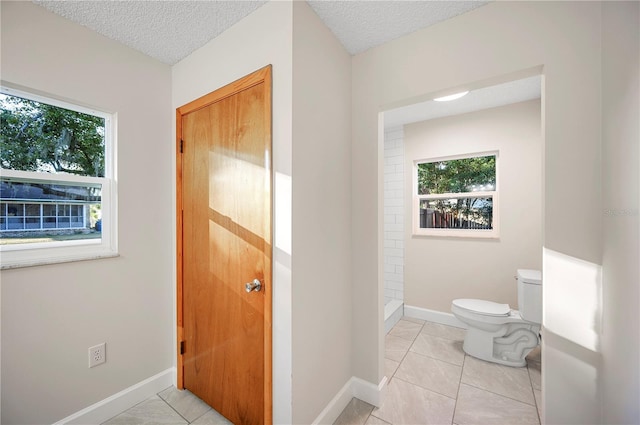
262 38
394 214
439 270
621 187
494 42
52 314
321 279
58 311
311 86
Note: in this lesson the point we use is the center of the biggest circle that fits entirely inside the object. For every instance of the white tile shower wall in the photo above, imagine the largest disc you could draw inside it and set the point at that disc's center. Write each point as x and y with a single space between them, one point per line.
393 214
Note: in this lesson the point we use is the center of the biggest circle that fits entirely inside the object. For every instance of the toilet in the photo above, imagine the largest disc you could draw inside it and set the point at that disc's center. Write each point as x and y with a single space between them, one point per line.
498 334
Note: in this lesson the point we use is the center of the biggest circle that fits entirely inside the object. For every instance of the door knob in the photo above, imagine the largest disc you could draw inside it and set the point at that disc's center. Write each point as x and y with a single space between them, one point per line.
256 285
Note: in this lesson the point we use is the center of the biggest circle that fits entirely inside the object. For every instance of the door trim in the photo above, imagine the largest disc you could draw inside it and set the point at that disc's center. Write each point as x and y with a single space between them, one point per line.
262 75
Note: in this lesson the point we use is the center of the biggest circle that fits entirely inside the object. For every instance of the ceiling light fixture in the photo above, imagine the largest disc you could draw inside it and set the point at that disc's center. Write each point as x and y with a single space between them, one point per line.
451 97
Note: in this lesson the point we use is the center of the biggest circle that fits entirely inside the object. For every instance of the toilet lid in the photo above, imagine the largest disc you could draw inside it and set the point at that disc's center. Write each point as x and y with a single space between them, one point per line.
488 308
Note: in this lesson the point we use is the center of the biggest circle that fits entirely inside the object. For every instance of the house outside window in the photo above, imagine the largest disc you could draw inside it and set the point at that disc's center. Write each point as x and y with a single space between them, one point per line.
456 196
57 183
43 209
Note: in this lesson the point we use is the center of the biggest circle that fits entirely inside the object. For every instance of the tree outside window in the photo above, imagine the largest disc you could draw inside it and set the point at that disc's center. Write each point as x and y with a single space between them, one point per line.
456 196
56 178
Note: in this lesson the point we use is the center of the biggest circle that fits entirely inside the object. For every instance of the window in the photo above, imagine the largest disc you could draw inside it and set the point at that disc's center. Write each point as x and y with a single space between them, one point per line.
456 196
57 184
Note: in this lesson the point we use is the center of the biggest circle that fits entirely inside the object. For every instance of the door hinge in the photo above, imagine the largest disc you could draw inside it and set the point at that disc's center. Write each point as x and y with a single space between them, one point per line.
181 145
182 347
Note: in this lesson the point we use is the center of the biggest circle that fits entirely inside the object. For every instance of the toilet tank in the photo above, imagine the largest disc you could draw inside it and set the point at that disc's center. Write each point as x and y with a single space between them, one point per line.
530 295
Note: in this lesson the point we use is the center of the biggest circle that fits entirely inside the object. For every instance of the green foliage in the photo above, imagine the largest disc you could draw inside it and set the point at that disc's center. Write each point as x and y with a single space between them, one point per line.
459 176
461 212
39 137
456 176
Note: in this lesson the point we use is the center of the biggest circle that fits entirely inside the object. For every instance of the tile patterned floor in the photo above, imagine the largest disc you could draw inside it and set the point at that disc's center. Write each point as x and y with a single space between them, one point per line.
170 407
432 381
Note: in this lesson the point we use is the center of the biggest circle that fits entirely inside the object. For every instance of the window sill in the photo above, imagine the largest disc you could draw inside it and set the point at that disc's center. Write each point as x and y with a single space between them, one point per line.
456 234
13 259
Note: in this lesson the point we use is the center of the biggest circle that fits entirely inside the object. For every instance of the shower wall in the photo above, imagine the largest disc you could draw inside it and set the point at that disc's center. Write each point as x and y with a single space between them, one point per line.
393 214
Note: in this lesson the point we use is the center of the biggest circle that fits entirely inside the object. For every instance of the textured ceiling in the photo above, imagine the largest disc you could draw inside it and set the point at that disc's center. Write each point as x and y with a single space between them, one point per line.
361 25
171 30
166 30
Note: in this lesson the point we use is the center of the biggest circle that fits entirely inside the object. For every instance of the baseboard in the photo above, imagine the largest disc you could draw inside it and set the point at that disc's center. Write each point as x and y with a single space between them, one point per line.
366 391
117 403
433 316
355 387
393 312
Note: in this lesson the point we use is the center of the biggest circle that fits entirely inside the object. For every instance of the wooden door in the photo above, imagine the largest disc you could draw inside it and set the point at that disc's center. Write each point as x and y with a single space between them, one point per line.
224 242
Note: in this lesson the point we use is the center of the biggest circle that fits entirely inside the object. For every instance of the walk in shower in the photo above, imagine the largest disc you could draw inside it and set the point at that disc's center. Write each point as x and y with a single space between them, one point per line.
393 225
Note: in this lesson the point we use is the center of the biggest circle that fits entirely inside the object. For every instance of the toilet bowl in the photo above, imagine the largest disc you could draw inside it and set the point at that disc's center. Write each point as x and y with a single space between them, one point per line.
499 334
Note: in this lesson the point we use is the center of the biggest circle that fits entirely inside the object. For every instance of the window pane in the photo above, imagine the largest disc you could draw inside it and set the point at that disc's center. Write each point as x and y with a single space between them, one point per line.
456 213
62 207
15 209
49 222
11 188
63 210
54 154
45 138
32 223
457 175
15 223
49 210
32 210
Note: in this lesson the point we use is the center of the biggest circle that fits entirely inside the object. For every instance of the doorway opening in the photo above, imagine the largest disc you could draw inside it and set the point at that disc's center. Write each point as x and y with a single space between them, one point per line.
423 274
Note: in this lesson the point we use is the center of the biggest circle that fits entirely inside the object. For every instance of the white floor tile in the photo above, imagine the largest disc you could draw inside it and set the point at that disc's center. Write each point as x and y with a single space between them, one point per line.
431 374
212 418
405 329
390 367
444 349
512 382
150 412
480 407
356 413
444 331
185 403
375 421
535 375
396 348
406 403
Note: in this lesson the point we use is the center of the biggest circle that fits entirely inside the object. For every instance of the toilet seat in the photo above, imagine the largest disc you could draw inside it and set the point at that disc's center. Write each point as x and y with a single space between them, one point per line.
483 307
483 311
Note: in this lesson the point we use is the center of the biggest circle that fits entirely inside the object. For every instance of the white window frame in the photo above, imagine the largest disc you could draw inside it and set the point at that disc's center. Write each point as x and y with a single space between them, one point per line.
34 254
493 233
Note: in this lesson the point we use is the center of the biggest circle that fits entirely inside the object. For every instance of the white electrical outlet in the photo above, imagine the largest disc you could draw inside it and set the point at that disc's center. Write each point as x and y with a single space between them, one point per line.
97 354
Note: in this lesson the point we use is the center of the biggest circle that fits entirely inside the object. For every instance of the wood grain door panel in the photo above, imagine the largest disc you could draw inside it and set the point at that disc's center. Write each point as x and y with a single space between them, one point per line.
225 230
